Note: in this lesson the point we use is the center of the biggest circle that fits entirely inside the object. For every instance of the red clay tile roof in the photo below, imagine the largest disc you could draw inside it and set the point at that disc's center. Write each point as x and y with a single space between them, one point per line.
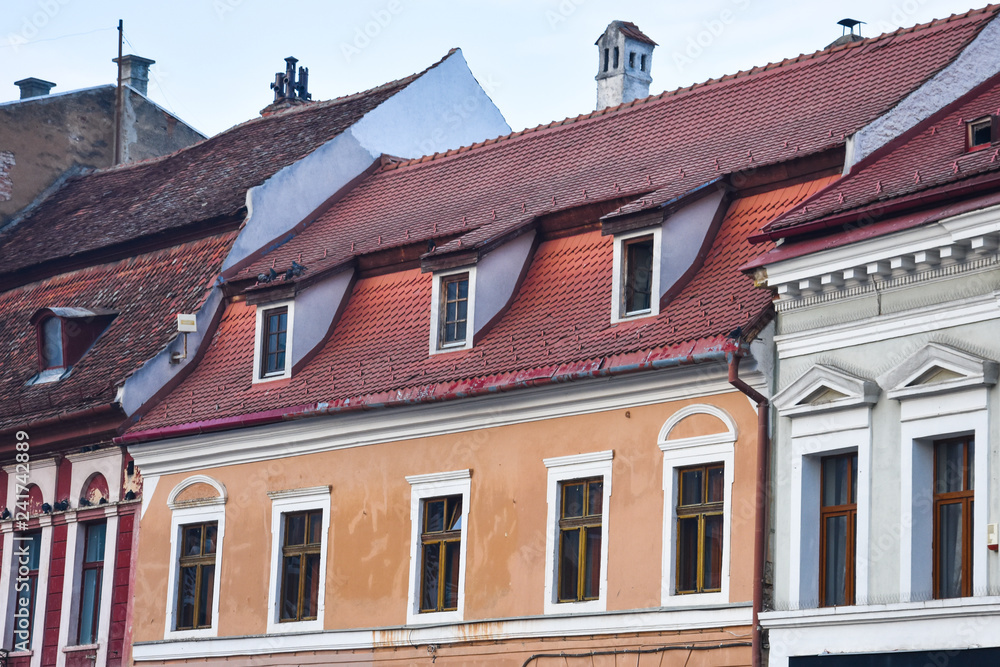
147 291
929 157
203 182
631 30
666 145
558 325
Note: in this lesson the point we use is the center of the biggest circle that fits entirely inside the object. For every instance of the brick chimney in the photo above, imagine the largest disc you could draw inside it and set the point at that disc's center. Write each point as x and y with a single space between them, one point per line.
135 72
32 87
625 60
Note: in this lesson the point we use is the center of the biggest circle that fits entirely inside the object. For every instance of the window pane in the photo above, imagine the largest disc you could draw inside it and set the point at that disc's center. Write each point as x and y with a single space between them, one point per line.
836 470
452 288
712 568
854 478
451 311
949 557
211 537
315 527
95 543
639 275
463 310
592 566
451 570
835 560
687 554
52 351
460 330
310 591
569 564
192 540
949 467
972 465
90 595
206 595
429 577
455 510
716 484
463 289
572 500
185 614
434 509
295 529
982 134
34 550
691 486
290 588
595 498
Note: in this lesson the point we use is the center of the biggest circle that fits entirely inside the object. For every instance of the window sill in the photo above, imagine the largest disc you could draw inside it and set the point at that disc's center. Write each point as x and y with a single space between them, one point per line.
435 617
295 627
81 648
191 634
575 607
695 599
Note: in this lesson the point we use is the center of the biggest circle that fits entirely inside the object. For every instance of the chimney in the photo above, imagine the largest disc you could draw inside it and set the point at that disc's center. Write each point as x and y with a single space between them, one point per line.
624 63
289 91
847 37
32 87
135 72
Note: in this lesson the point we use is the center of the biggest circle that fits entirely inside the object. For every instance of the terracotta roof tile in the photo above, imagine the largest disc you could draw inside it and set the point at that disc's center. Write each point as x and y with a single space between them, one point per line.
558 326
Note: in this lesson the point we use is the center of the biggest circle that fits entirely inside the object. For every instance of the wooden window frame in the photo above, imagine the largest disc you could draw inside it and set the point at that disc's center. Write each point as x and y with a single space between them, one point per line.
265 337
89 566
444 323
966 498
579 524
972 125
439 539
302 551
628 278
699 511
32 577
850 510
199 562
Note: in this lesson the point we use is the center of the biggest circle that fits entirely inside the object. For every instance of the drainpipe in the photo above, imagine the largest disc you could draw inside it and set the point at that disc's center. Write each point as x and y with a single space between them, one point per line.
733 358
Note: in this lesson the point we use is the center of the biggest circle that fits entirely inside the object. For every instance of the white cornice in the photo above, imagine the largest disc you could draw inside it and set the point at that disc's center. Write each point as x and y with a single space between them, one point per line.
435 477
575 625
356 429
909 611
299 493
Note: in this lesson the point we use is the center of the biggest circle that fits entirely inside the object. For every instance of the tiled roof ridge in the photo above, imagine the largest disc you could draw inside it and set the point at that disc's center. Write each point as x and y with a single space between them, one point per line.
400 83
695 87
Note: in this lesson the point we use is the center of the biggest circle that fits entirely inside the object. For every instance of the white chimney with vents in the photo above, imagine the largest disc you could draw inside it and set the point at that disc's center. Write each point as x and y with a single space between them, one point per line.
625 60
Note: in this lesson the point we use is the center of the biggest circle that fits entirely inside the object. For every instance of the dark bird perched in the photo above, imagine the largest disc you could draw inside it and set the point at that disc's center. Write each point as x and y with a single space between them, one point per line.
62 505
296 270
267 277
736 334
84 502
46 508
102 501
5 514
130 495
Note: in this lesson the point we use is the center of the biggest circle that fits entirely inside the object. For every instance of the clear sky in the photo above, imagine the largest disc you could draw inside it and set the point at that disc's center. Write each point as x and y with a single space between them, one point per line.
215 59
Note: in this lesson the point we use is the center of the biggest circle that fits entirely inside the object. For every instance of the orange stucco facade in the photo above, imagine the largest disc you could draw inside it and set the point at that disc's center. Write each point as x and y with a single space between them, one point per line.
367 568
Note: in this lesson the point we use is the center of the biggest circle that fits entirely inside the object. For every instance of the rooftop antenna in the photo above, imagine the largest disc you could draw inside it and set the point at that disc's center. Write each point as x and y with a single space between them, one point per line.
849 25
118 100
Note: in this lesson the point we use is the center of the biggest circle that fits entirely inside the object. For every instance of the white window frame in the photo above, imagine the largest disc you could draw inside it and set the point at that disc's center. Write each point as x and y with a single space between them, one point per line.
684 453
618 313
470 330
184 513
565 469
282 504
423 487
258 342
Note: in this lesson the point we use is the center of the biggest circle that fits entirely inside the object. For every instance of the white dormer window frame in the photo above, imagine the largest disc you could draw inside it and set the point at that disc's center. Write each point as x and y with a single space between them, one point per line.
259 341
622 271
438 316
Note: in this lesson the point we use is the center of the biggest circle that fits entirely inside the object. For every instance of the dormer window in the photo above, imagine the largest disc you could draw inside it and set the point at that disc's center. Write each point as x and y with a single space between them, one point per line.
453 310
273 350
63 336
981 133
631 59
637 275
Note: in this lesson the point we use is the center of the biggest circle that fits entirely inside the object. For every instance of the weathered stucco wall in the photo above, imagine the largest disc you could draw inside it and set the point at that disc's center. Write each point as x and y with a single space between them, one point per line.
369 542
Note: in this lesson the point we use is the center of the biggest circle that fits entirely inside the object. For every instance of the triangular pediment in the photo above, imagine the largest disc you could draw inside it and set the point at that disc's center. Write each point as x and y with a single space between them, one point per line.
938 368
825 387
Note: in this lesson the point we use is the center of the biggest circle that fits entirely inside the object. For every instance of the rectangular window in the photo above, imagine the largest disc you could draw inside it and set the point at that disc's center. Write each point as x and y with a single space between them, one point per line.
580 535
91 576
196 583
642 62
454 308
274 341
615 65
440 546
700 496
605 60
300 567
52 343
980 133
32 543
631 59
638 277
838 516
954 491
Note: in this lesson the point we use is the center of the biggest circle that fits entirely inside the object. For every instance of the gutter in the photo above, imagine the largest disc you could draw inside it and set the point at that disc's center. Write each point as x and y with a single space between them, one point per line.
763 407
713 350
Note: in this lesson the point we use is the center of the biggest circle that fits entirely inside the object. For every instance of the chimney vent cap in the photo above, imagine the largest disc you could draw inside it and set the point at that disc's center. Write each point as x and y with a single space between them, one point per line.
32 87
